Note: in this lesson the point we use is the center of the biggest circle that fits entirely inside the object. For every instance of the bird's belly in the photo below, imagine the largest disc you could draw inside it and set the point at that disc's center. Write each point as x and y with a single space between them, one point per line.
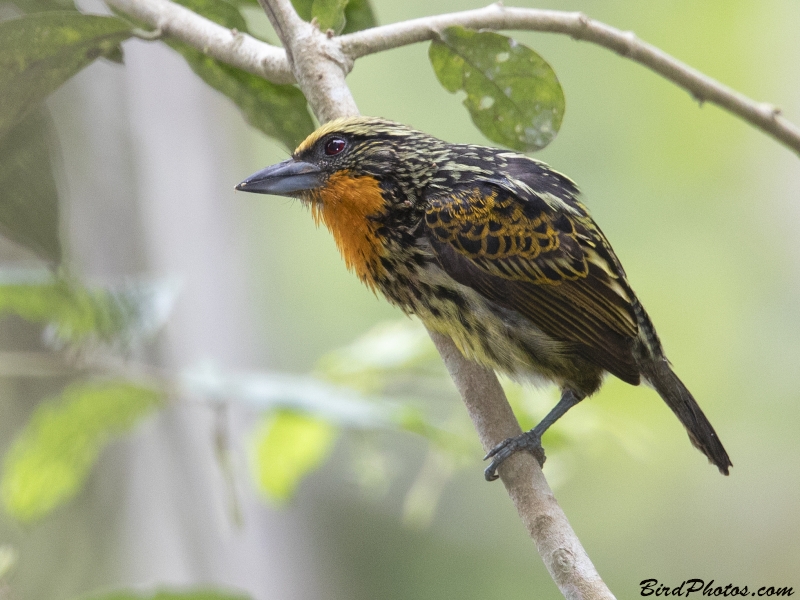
481 329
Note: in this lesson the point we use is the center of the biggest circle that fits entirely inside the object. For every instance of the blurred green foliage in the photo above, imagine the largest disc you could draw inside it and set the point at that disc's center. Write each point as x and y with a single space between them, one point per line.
382 382
77 315
285 447
278 111
200 594
391 350
39 6
8 560
29 212
39 52
53 454
50 459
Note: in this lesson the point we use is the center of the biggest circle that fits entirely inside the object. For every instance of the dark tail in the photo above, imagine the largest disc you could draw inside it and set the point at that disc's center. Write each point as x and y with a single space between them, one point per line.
680 400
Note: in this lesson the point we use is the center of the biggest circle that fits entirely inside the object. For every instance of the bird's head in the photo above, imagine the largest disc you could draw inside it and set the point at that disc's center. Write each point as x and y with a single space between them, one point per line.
353 148
357 174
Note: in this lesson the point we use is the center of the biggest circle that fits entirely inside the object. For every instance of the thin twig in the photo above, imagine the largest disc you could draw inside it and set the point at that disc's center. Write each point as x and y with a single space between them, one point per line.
577 25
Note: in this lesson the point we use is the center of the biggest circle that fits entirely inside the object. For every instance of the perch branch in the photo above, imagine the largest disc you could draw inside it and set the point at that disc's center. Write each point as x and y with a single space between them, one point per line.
556 541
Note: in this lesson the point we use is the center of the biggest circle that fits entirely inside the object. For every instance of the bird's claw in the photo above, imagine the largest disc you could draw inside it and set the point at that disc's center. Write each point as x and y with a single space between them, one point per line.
529 441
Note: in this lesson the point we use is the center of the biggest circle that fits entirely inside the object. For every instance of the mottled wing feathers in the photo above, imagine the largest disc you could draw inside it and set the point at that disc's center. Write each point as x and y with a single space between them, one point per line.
542 257
490 227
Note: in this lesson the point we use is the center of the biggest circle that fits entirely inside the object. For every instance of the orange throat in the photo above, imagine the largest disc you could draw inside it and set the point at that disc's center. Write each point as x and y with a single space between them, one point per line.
345 205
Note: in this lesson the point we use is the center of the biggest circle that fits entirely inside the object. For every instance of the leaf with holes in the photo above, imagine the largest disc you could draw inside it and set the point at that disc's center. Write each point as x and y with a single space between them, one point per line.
41 51
513 95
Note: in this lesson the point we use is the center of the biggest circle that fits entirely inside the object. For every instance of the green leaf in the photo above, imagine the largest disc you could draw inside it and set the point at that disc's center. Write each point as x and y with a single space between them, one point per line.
28 194
39 52
513 95
220 11
303 8
37 6
329 14
280 111
49 461
286 446
201 594
342 16
359 15
78 314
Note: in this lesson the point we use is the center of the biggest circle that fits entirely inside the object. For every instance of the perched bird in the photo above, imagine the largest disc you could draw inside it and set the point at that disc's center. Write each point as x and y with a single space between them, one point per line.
491 248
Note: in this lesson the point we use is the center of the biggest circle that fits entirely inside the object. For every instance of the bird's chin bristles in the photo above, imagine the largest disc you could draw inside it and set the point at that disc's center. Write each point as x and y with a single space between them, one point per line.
316 210
312 202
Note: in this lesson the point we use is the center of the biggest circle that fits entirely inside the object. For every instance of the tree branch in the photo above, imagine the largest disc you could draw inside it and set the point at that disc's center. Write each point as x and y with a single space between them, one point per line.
316 61
229 46
556 541
577 25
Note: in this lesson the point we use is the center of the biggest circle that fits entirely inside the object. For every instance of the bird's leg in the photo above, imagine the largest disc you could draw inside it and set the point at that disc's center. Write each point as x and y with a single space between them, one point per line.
530 440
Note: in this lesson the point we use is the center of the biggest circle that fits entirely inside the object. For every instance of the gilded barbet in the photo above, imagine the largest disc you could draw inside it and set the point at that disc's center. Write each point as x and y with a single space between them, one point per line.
493 249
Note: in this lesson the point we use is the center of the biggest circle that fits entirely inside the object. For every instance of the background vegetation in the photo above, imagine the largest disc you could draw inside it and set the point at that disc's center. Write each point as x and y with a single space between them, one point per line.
701 208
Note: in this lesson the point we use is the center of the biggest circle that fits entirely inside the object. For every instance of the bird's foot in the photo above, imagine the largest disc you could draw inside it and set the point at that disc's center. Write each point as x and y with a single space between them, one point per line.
530 441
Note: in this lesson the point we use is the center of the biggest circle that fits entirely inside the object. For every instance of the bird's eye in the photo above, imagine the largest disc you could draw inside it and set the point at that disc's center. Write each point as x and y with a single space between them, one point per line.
334 146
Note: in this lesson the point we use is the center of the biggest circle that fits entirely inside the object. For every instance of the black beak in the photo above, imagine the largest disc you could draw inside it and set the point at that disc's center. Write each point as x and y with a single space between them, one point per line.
287 178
